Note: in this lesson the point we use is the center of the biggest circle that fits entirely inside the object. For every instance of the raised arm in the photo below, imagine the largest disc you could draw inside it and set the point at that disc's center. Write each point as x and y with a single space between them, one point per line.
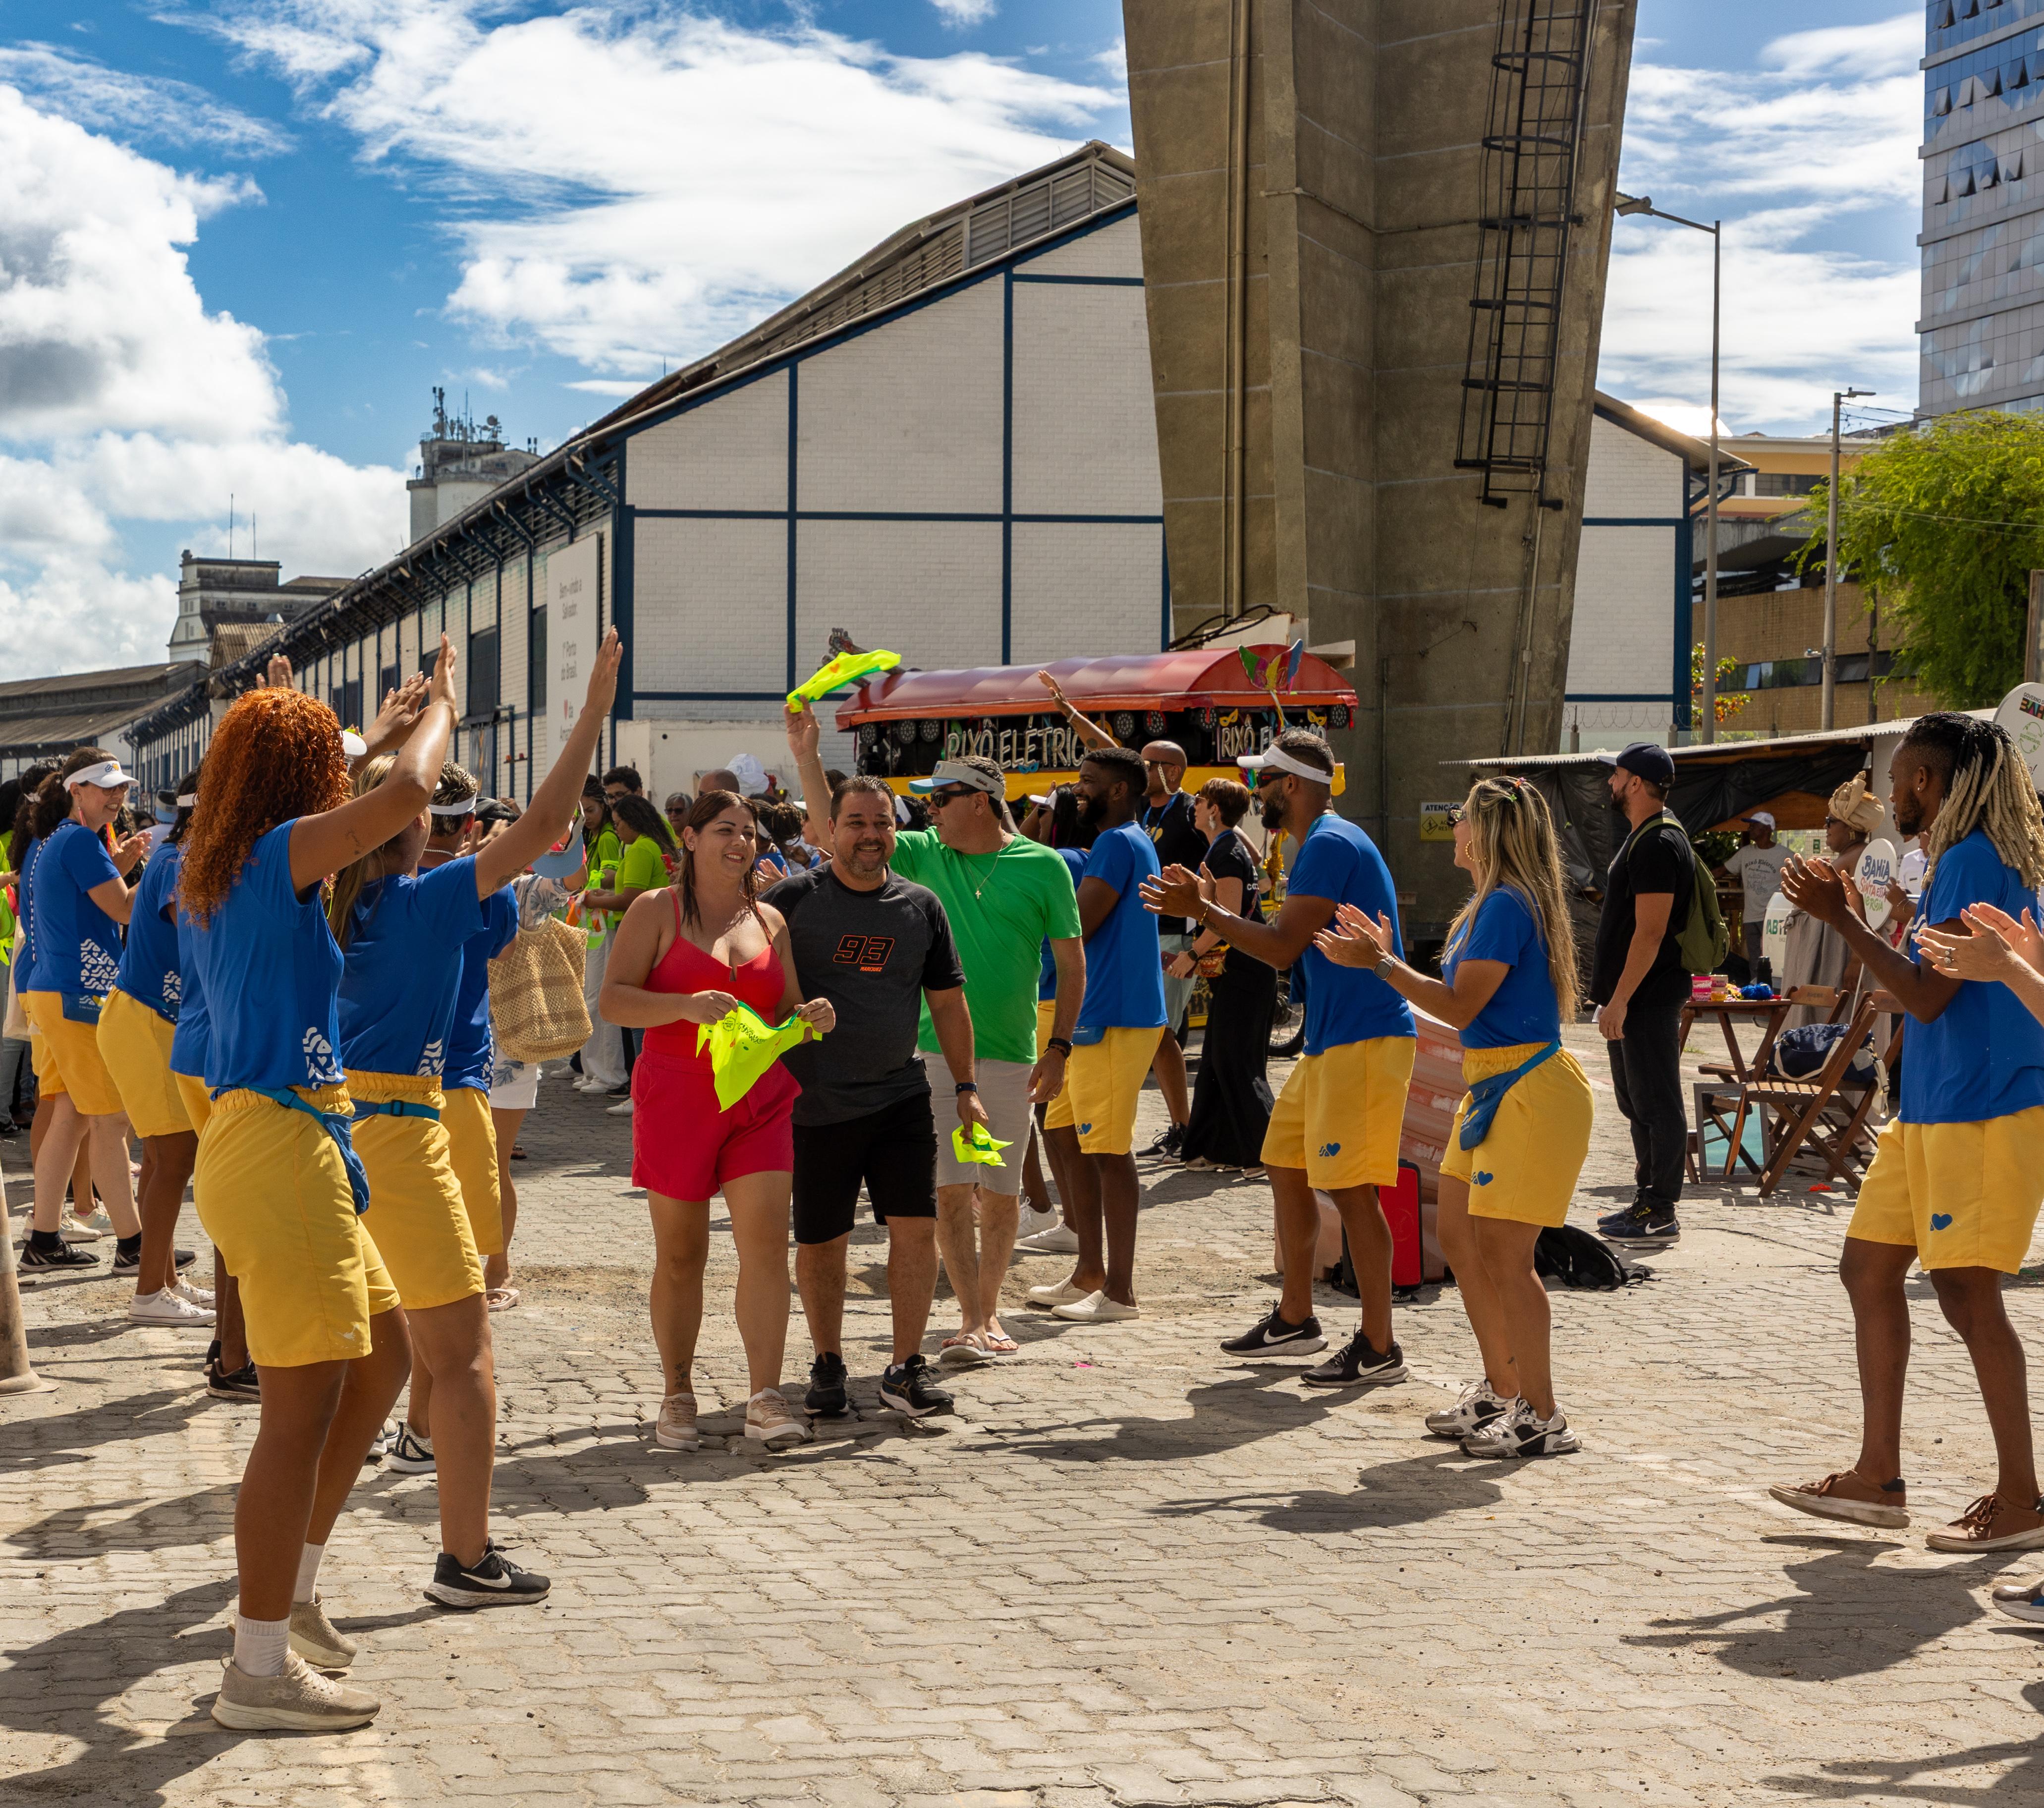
1090 732
326 843
555 802
805 733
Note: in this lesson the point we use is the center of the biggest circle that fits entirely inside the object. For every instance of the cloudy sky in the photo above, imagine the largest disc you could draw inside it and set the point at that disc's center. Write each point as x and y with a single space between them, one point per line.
241 240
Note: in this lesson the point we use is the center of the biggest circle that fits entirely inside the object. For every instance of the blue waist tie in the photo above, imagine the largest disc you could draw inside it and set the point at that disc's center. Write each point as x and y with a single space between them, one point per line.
1486 1095
395 1108
336 1125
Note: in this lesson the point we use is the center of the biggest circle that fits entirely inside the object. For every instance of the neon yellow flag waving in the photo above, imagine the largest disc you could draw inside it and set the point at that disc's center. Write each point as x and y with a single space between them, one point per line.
743 1045
847 668
980 1146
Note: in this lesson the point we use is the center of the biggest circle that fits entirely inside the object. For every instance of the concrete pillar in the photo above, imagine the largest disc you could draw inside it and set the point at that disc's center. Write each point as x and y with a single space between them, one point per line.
1309 174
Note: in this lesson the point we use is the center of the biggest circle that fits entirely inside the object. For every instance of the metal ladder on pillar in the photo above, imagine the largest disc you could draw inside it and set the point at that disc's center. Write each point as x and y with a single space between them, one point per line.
1534 132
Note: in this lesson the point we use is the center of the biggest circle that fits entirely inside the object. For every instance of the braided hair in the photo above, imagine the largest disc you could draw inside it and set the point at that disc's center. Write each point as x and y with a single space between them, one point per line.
1987 785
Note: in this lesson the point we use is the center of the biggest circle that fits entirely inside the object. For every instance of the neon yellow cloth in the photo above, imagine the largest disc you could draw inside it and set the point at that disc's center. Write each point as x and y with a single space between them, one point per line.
847 668
743 1045
981 1147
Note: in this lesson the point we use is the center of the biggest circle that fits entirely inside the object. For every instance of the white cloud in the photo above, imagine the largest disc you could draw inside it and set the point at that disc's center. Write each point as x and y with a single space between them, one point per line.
643 184
125 403
145 107
1813 150
966 12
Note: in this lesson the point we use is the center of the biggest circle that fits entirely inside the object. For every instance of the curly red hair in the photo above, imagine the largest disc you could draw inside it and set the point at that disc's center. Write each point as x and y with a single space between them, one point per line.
276 756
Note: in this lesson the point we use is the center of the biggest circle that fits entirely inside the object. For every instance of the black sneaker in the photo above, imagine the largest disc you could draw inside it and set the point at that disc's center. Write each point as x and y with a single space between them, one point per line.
906 1388
1643 1226
1273 1334
1171 1143
129 1262
827 1397
623 1091
33 1258
1358 1362
495 1582
231 1384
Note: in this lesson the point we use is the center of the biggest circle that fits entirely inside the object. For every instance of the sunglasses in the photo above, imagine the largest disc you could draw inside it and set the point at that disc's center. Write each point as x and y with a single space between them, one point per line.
937 800
1454 812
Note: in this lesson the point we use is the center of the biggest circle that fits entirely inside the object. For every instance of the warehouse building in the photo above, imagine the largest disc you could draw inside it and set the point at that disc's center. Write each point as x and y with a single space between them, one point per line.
947 449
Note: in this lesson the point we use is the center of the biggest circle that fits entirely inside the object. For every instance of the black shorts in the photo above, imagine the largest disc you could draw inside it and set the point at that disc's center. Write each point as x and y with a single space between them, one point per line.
892 1151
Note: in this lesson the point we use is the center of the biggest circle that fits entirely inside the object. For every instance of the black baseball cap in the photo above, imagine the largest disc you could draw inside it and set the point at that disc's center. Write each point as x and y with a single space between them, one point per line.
1649 759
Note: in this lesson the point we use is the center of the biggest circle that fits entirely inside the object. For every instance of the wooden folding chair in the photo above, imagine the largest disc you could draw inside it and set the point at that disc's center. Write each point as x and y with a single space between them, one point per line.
1830 999
1816 1113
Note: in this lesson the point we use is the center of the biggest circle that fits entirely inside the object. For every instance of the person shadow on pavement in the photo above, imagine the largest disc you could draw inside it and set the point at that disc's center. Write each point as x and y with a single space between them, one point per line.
1892 1779
1409 1491
1847 1617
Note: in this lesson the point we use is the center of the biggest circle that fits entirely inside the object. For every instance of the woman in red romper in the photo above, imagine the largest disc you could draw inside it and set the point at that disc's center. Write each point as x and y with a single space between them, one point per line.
687 954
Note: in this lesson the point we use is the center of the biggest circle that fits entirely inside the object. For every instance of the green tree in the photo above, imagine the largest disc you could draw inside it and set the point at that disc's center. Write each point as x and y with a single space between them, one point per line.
1947 521
1729 701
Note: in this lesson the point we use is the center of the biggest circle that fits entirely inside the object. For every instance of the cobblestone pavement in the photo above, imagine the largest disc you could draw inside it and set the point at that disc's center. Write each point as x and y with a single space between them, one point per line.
1131 1570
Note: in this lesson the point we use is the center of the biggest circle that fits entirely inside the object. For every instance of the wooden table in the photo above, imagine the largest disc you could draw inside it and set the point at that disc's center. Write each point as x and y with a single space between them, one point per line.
1730 1012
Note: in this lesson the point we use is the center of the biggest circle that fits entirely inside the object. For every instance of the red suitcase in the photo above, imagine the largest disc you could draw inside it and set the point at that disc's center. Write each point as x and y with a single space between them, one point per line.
1401 1212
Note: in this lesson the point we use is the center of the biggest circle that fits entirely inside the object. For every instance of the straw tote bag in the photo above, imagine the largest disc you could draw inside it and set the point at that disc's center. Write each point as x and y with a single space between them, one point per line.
536 1003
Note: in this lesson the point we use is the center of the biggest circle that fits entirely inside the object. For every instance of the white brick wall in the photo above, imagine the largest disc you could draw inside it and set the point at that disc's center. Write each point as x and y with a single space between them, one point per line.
907 417
1629 475
1112 251
1081 590
1085 431
929 591
710 606
730 453
1623 635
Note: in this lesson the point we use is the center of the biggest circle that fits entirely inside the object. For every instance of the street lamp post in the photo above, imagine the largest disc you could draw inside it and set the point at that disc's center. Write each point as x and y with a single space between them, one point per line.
1630 206
1839 398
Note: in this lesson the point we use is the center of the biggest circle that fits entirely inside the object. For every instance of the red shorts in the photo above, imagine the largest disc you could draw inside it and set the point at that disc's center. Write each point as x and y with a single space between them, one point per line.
684 1147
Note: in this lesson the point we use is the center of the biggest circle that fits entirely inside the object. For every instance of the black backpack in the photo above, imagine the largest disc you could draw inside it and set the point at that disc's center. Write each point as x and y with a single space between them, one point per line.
1577 1259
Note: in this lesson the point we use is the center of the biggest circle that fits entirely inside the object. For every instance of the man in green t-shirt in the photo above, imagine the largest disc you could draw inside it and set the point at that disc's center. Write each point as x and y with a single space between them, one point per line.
1004 895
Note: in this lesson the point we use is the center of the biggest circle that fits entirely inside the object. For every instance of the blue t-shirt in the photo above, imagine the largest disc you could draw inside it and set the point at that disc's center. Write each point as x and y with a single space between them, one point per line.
1047 975
77 945
1524 1008
404 966
149 969
24 908
269 967
471 1053
194 1034
1983 1056
1125 964
1345 1004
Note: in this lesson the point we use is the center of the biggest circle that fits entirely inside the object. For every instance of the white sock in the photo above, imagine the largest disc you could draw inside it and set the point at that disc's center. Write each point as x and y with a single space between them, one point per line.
309 1562
259 1645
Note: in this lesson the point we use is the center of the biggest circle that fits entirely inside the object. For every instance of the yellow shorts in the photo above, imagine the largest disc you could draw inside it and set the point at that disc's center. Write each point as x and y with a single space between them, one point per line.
1046 1020
1103 1084
135 1046
472 1146
72 1052
1340 1113
1961 1195
198 1099
415 1206
272 1193
49 1081
1526 1169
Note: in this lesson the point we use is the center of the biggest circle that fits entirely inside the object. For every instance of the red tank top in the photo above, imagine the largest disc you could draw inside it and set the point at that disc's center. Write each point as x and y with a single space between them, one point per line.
760 983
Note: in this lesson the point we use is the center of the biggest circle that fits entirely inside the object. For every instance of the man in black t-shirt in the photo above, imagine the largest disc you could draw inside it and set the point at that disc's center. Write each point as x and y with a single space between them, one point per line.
1640 986
875 946
1166 816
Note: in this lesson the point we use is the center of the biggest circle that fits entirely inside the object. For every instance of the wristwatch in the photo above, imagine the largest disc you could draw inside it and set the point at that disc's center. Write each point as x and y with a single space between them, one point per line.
966 1086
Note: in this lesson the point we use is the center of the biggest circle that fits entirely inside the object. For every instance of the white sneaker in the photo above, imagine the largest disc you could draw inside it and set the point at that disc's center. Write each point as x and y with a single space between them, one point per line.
1033 1222
1058 1293
299 1700
1055 1239
166 1308
197 1295
92 1229
1095 1309
621 1109
1480 1403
